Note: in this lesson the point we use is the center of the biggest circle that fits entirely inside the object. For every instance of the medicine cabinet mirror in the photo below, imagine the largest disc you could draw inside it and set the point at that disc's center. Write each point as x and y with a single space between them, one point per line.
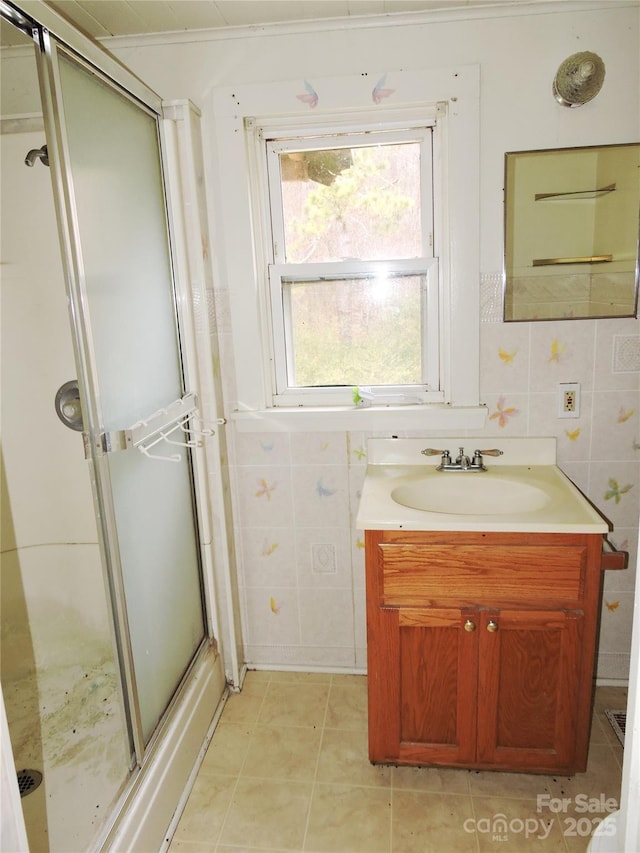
572 224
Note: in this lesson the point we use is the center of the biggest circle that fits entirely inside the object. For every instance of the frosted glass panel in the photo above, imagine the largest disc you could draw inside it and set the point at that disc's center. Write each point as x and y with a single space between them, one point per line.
160 571
113 146
130 313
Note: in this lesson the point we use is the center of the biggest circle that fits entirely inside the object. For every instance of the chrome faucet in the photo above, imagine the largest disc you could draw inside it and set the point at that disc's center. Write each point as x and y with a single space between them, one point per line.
462 462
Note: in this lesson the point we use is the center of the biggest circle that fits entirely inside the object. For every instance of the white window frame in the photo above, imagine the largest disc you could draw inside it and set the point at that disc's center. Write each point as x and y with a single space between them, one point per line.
240 234
270 140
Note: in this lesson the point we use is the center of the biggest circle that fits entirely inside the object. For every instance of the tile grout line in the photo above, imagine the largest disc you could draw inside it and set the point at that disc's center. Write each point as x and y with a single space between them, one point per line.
605 746
473 812
594 344
241 768
315 772
391 801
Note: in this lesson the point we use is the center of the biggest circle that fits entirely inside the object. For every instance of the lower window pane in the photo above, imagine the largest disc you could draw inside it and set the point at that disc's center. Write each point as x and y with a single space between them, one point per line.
357 331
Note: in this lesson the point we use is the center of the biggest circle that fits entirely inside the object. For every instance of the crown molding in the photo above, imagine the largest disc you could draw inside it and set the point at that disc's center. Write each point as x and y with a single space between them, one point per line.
515 8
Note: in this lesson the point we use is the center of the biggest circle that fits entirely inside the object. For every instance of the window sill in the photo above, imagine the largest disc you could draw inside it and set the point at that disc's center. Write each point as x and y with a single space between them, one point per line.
371 419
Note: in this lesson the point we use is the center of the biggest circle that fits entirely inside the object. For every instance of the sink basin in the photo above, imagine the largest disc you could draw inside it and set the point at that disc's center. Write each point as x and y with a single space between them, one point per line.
523 490
470 494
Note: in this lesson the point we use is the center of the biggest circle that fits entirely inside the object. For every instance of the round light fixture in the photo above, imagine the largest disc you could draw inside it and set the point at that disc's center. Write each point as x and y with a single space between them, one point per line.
578 79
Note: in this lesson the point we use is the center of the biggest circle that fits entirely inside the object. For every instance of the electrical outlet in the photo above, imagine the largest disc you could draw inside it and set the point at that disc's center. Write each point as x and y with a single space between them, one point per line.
569 400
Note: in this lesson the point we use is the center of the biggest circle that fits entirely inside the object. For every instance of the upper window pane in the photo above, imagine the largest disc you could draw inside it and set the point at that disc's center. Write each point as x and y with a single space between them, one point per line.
352 203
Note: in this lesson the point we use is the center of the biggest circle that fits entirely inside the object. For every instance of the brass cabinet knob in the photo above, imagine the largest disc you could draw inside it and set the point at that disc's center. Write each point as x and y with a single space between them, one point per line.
492 626
469 626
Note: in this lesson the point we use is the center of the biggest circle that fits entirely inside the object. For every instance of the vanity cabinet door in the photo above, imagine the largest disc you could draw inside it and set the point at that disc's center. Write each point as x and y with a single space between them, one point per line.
528 678
422 689
481 648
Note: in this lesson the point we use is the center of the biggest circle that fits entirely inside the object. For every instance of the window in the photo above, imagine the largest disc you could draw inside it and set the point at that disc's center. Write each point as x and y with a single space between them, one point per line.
281 288
353 281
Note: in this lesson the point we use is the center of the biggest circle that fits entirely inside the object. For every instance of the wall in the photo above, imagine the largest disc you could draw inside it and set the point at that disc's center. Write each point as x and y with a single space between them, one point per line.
293 491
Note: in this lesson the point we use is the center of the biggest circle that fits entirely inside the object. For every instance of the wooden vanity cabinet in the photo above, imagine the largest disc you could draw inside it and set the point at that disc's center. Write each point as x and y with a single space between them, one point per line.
481 648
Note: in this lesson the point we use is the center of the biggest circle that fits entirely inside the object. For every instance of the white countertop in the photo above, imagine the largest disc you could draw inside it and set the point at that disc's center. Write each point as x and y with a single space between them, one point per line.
394 463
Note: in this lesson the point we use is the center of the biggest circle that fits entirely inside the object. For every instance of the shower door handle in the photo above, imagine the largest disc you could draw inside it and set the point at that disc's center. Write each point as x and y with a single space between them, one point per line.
67 405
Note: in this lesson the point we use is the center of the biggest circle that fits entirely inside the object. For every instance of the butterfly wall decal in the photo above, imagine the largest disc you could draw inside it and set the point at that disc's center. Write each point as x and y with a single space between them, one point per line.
379 93
275 608
557 351
323 491
265 490
503 414
616 491
624 415
310 96
506 357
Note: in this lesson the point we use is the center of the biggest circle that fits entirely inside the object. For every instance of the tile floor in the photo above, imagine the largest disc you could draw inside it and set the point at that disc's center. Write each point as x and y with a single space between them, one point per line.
287 770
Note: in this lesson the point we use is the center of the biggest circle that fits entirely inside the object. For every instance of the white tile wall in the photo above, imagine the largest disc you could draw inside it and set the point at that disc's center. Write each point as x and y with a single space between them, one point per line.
294 491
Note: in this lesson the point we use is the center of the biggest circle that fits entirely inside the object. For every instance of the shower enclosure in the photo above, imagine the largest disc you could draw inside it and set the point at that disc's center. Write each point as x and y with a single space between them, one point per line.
107 616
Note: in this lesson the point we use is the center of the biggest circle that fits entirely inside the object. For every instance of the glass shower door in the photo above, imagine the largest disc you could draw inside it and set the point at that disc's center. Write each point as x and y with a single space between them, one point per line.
105 152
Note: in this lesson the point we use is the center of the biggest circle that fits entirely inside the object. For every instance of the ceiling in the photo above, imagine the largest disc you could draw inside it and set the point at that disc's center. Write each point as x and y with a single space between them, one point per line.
105 18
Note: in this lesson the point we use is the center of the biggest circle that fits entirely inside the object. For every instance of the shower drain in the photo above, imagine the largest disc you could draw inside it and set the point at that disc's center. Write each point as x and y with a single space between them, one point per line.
28 781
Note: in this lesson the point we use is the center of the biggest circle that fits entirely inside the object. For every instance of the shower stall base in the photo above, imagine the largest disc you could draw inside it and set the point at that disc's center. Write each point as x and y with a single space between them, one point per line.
63 712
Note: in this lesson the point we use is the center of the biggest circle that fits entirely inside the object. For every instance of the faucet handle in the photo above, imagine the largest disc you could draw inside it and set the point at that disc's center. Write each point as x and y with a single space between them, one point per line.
444 454
478 454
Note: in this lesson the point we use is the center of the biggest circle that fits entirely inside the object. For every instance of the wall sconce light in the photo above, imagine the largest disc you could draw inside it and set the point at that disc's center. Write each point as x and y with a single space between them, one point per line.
578 79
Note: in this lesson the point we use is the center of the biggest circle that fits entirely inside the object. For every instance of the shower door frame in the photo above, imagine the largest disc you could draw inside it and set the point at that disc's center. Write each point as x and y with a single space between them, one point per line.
52 34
